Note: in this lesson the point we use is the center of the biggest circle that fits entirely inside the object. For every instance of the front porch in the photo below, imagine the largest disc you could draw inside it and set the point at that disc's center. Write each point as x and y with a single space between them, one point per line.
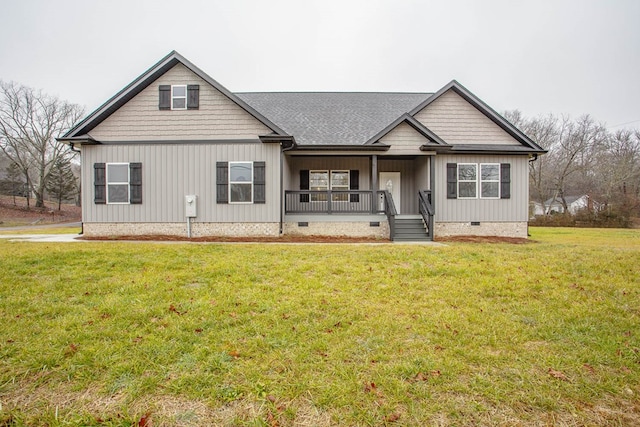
351 207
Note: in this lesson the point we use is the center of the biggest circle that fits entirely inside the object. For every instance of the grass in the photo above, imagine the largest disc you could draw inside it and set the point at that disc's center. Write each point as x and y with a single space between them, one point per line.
545 333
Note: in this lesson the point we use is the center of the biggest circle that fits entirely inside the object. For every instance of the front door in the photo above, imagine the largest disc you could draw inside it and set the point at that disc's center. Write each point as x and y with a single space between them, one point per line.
390 181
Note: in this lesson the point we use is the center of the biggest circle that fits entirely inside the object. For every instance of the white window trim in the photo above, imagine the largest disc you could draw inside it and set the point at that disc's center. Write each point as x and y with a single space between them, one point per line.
460 181
317 198
330 185
186 94
239 182
480 180
128 183
340 187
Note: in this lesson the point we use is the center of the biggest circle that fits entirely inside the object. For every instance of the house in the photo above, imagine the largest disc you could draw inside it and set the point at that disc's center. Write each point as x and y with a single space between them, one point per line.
574 204
175 152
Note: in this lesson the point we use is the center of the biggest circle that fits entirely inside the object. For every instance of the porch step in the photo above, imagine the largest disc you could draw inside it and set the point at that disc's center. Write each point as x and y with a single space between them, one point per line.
410 230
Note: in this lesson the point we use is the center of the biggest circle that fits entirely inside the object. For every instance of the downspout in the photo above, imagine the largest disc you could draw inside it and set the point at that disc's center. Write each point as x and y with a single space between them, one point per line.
531 160
72 148
432 187
282 195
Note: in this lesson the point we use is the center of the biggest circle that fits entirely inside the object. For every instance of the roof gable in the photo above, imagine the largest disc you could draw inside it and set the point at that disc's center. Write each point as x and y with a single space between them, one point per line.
146 79
432 138
483 108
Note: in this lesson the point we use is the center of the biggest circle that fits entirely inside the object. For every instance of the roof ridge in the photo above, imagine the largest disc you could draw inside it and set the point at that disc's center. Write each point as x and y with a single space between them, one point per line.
334 92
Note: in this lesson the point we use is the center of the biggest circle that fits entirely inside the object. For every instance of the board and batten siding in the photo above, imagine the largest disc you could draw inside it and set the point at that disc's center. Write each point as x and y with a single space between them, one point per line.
404 140
456 121
513 209
140 119
172 171
298 163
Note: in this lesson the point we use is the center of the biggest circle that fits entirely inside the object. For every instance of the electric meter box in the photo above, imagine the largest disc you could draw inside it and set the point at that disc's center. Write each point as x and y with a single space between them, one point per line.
191 205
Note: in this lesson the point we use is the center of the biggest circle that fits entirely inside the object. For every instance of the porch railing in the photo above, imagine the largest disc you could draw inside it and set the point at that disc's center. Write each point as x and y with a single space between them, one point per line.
342 202
332 201
425 207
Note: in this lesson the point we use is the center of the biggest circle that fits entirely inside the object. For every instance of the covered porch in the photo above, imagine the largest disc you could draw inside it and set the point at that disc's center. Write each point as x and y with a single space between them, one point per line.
361 188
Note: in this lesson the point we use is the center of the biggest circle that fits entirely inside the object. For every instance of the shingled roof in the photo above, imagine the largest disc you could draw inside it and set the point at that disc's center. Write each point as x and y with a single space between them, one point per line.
332 118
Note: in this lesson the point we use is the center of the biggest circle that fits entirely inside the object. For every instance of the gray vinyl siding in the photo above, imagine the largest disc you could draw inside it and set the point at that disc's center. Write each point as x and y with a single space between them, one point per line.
404 140
172 171
456 121
495 210
216 118
414 176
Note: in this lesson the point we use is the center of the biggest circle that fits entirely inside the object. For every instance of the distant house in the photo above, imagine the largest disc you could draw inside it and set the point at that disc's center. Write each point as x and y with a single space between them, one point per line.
175 152
574 204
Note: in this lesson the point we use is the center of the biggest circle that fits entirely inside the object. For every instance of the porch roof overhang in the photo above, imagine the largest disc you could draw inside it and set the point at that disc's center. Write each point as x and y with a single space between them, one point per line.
339 149
482 149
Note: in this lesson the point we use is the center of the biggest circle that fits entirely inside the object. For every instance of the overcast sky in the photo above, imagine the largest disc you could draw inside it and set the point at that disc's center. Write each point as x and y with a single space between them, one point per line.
538 56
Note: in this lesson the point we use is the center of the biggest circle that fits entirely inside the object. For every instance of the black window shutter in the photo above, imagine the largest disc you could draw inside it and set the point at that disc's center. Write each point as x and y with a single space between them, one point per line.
164 102
193 97
100 183
304 185
452 181
135 183
259 181
354 184
505 180
222 187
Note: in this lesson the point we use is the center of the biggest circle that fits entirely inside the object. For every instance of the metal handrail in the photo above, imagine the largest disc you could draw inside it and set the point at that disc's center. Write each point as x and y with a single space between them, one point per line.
390 211
426 210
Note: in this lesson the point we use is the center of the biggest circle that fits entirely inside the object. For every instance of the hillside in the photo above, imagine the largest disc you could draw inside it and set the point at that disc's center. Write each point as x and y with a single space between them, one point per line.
15 215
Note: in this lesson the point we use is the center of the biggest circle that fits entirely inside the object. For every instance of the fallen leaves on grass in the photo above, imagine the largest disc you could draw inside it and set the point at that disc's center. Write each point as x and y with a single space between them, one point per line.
558 375
145 420
173 309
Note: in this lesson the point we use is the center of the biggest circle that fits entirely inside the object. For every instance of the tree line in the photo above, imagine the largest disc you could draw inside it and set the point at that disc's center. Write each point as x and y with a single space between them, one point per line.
584 157
30 121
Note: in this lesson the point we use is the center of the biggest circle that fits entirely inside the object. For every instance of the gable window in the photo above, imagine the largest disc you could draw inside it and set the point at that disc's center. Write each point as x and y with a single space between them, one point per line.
467 180
490 180
179 97
117 183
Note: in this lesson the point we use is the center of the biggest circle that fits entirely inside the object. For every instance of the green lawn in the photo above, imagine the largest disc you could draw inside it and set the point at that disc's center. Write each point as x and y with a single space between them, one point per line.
121 334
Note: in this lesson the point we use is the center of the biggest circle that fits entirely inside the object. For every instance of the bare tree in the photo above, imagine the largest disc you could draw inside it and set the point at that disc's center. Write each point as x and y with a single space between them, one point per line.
574 154
544 131
29 122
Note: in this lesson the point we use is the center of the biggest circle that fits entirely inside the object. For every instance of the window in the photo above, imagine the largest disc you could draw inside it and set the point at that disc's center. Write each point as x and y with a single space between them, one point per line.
494 180
340 181
323 180
318 181
117 183
240 182
179 97
467 180
490 180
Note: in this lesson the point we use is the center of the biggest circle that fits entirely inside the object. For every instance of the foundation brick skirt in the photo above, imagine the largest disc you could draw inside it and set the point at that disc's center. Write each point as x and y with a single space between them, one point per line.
500 229
198 229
